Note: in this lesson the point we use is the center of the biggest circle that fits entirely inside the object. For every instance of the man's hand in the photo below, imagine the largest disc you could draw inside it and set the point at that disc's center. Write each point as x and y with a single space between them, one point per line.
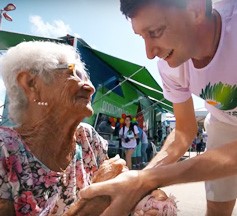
125 191
89 207
95 206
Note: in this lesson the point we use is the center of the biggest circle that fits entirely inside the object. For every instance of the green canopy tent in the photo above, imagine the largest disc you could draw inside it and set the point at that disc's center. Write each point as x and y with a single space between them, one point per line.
9 39
139 76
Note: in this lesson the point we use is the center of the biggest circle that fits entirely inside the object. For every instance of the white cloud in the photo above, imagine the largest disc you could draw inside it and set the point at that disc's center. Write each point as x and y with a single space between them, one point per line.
42 28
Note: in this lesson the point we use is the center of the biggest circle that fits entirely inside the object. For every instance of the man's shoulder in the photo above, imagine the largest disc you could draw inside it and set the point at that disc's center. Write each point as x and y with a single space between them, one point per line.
227 9
164 67
178 74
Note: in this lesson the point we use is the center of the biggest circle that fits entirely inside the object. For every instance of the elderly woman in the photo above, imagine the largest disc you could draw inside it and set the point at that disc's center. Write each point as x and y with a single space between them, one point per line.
49 155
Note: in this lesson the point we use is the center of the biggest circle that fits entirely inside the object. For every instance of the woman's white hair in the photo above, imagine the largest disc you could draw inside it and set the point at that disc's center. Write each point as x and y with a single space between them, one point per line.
37 57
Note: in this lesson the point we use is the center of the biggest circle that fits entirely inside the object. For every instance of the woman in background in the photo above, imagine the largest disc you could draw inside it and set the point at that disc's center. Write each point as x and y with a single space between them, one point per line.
128 134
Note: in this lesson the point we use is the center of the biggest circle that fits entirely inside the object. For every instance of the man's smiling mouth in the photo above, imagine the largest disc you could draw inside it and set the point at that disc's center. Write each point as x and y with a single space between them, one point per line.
168 54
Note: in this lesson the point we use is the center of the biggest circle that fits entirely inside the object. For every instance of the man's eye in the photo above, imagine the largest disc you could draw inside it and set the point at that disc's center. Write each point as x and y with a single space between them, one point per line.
156 33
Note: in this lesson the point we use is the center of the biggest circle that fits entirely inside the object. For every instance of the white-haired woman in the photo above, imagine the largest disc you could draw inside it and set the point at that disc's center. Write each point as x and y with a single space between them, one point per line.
49 155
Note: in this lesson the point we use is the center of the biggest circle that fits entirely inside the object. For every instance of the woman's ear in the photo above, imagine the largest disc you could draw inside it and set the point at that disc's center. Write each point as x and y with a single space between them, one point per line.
27 82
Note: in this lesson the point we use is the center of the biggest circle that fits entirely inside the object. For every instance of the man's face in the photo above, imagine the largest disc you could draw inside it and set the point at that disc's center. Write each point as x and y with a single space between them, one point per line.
168 33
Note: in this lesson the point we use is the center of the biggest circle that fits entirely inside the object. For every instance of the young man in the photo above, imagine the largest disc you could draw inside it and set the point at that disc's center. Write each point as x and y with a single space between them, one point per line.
197 48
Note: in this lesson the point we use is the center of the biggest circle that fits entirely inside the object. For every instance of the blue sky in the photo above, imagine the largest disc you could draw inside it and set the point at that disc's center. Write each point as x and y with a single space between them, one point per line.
98 22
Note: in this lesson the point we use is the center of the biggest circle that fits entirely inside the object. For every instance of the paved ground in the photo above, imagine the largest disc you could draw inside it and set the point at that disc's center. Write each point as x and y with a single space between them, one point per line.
191 198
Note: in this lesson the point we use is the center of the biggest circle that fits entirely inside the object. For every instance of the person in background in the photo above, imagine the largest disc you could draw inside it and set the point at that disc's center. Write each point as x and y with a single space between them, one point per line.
204 135
128 134
197 46
50 154
198 143
144 141
137 154
159 131
150 148
105 125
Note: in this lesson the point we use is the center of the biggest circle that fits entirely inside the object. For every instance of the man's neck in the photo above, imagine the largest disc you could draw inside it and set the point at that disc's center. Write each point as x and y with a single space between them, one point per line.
212 43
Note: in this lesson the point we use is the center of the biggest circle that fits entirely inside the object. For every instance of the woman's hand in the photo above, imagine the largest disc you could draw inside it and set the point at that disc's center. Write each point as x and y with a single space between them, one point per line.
110 169
125 191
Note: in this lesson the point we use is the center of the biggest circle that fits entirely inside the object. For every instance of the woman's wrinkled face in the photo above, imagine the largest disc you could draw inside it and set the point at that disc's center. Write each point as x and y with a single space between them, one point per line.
72 91
167 32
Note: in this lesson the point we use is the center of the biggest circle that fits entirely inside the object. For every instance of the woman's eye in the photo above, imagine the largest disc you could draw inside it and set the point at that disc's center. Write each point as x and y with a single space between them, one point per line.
79 74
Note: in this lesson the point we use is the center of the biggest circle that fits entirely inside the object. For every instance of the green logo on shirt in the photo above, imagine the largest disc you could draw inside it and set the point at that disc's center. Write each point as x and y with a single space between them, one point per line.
222 96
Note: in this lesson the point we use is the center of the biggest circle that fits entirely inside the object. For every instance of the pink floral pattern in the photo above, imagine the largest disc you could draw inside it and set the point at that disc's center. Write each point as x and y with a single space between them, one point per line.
37 190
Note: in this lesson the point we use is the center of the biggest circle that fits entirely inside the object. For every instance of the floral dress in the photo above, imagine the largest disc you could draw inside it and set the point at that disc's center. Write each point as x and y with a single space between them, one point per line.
34 188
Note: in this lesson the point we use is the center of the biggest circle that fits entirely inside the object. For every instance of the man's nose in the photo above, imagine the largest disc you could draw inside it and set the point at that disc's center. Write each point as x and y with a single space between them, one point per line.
152 50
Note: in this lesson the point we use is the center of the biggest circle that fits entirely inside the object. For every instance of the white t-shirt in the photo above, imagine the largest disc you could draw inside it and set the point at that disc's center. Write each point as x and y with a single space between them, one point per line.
217 82
129 134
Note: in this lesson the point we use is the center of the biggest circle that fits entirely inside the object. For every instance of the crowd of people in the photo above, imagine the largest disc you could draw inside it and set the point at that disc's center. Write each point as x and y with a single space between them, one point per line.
133 140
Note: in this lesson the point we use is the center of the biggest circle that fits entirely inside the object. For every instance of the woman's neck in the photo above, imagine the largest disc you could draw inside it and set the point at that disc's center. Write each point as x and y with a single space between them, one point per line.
51 141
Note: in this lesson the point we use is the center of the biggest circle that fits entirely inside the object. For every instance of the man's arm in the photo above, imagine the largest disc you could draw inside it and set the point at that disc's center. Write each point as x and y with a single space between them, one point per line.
6 207
181 137
215 163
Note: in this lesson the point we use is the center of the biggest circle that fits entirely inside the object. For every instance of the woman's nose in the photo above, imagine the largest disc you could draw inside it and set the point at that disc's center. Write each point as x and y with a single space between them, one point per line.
87 85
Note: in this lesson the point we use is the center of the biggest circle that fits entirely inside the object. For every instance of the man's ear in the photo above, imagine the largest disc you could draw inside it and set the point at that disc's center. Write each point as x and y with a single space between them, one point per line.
197 9
27 81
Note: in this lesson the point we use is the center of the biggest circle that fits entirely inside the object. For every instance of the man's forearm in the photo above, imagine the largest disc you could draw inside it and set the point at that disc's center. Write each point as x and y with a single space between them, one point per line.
174 148
215 163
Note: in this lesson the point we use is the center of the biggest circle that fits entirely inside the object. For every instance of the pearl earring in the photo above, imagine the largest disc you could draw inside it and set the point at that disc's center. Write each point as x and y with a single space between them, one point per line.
40 103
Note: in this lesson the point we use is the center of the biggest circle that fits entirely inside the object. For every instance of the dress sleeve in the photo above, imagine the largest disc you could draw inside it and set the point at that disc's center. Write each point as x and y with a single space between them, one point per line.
5 186
94 147
100 146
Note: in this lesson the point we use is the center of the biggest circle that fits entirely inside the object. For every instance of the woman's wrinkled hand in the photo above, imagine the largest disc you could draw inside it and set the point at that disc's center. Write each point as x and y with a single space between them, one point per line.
110 169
